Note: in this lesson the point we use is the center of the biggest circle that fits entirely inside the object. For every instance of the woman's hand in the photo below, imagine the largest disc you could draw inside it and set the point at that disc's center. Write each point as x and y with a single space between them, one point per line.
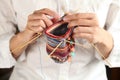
89 29
36 23
39 20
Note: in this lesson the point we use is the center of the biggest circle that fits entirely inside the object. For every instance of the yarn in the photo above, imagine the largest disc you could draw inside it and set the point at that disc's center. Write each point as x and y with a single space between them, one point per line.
55 34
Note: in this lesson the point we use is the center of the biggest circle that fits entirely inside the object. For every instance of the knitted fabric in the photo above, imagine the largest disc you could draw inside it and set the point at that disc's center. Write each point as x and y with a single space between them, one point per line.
55 34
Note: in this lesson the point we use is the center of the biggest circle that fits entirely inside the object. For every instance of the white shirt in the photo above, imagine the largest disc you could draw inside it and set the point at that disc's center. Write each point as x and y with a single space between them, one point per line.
35 64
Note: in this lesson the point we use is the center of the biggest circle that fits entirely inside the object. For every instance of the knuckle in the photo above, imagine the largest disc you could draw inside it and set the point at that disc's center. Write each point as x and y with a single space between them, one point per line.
41 10
94 16
37 29
45 9
40 21
36 11
28 23
40 28
42 15
29 16
77 15
96 23
95 29
91 16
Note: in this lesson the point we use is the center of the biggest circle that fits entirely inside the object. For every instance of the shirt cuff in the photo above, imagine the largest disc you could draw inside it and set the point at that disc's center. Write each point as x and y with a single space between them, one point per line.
6 58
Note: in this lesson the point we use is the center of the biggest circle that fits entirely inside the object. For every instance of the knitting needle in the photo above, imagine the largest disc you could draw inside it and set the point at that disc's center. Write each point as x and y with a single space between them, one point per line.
102 55
71 42
95 49
26 43
55 48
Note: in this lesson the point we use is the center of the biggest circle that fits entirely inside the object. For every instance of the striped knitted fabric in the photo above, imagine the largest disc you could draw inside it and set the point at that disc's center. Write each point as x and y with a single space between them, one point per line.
55 34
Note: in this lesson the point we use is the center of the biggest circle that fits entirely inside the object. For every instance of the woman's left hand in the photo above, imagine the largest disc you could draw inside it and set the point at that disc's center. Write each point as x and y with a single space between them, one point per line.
88 28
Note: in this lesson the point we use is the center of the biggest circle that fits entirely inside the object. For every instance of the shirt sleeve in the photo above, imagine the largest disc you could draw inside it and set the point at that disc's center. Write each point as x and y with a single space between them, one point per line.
113 27
7 30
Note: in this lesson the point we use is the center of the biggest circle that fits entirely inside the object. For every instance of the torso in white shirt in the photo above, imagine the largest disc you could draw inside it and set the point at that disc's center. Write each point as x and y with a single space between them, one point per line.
38 65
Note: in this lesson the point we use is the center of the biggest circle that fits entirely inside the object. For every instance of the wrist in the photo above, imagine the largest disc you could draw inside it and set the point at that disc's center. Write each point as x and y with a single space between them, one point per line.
106 46
28 33
109 45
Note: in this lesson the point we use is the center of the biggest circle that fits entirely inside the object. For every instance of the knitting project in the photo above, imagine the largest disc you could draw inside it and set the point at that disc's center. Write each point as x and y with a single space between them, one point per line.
55 34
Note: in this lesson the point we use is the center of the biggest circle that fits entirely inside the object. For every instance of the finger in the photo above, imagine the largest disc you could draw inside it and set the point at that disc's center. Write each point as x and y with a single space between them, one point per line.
80 16
48 12
35 23
82 22
37 28
42 24
81 29
43 17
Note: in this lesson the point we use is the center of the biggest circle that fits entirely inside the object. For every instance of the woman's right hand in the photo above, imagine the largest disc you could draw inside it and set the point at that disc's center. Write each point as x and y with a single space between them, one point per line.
36 23
39 20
